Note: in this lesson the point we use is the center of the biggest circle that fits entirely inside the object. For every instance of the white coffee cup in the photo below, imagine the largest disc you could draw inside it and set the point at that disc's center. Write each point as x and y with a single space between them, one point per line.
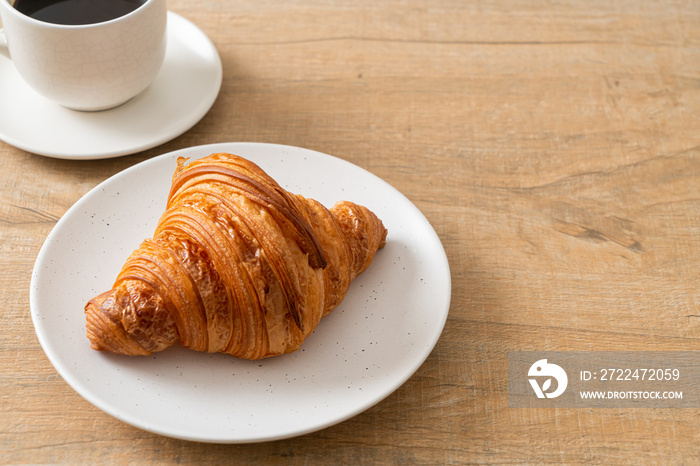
87 67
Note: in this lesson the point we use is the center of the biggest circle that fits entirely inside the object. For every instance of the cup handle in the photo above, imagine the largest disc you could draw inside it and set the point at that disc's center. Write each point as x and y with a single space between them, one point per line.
3 44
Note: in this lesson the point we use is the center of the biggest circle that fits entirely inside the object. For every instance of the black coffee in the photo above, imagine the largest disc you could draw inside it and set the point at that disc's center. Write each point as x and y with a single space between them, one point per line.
76 12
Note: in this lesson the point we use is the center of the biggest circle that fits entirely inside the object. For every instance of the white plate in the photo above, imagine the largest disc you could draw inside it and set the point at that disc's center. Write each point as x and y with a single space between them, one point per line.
369 346
181 94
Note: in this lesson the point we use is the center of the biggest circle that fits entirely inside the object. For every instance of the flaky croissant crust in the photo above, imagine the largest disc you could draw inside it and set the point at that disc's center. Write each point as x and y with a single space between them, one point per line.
236 265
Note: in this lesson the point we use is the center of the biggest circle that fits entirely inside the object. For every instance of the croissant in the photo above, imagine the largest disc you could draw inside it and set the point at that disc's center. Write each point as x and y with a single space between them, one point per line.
237 265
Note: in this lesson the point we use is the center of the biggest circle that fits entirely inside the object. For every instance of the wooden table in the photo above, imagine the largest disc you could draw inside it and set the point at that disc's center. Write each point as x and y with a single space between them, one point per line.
554 147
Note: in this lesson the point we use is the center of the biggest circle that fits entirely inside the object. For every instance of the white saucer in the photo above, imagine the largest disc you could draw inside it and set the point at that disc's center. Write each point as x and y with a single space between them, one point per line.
182 93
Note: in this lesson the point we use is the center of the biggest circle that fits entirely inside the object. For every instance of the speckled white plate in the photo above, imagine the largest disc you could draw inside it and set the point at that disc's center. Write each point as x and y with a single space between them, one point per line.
369 346
181 94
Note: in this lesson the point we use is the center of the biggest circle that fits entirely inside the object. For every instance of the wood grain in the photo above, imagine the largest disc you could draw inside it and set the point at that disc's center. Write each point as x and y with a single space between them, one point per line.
554 147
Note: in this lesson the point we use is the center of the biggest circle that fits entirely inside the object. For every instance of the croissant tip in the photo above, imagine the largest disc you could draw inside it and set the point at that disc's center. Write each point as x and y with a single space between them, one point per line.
107 335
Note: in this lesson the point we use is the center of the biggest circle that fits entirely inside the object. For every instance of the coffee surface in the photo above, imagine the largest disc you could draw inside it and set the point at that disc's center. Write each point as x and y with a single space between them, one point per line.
76 12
